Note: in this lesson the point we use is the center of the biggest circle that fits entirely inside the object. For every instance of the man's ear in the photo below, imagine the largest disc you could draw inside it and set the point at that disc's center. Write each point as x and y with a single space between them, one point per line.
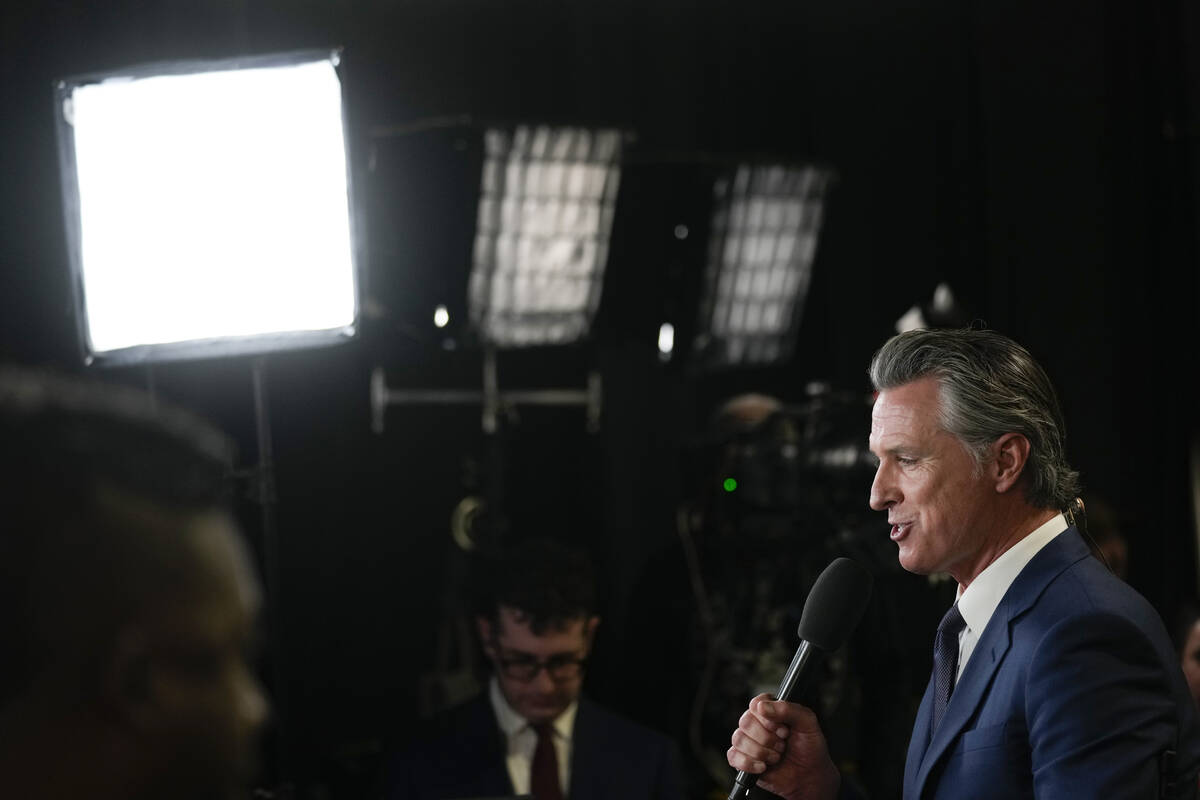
1010 453
484 626
127 692
589 630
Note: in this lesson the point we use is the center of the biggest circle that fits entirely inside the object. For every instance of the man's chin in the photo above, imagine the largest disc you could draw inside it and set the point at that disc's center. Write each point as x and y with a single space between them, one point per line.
911 562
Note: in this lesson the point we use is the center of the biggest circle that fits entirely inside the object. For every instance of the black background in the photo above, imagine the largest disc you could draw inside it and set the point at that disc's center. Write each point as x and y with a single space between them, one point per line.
1039 157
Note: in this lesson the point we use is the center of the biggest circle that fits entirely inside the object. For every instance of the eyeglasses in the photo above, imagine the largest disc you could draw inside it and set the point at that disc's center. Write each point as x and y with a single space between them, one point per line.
562 667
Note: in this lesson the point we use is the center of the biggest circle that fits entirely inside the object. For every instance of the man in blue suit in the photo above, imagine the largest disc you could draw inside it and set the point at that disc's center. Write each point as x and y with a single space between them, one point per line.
531 732
1052 678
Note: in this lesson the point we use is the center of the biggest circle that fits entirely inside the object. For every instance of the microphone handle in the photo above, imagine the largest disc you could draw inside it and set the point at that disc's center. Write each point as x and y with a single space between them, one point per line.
744 781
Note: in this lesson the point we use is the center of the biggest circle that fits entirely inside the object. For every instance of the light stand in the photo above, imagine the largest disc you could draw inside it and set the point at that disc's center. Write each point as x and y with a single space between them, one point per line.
207 213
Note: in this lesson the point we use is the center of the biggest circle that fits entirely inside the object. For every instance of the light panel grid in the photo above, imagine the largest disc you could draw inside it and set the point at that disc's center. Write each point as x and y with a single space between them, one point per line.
765 224
546 206
211 208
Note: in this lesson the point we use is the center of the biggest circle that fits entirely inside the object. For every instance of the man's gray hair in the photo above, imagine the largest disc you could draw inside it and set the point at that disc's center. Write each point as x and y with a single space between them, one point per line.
989 386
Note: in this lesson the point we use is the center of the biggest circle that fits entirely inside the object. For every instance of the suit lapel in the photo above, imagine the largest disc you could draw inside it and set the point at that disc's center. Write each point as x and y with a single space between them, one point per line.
587 774
969 694
919 742
492 776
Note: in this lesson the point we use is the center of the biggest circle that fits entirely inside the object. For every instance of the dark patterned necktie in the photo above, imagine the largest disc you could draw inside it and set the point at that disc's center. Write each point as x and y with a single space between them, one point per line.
945 661
543 776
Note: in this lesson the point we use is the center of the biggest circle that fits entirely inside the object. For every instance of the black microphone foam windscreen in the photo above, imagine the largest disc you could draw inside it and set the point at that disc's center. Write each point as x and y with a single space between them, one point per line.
835 604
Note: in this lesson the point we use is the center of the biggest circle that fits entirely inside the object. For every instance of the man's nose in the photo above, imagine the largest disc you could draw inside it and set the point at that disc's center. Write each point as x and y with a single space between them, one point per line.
542 680
253 706
884 493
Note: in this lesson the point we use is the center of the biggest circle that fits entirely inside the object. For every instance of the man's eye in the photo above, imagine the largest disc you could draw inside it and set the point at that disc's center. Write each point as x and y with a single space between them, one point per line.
520 662
905 460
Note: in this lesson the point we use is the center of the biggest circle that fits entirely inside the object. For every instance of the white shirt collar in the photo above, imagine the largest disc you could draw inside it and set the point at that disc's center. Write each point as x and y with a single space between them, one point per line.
979 601
512 723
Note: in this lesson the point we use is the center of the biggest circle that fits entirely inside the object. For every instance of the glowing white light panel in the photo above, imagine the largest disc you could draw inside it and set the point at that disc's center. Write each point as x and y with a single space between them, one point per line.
213 205
545 215
764 234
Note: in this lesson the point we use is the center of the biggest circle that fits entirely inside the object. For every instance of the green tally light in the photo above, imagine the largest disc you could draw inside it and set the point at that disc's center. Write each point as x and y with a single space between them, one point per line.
730 485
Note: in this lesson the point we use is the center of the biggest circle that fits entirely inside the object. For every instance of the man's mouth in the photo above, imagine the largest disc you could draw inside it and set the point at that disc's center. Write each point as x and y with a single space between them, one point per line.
900 530
544 703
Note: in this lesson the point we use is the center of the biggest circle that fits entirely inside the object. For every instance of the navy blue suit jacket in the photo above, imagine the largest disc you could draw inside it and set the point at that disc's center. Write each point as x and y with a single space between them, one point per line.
1073 691
611 759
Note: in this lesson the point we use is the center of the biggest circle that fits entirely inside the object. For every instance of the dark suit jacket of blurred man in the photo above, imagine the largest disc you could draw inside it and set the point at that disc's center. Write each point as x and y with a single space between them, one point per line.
611 759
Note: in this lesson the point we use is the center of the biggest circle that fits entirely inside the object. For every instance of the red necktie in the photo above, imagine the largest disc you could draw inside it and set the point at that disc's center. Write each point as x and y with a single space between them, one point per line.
543 777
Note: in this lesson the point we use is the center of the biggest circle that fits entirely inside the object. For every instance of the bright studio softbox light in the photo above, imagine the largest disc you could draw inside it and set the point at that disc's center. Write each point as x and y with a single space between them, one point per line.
208 207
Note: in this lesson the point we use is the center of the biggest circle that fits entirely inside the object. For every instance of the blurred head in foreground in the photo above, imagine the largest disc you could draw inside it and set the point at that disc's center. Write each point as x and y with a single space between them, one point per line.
127 602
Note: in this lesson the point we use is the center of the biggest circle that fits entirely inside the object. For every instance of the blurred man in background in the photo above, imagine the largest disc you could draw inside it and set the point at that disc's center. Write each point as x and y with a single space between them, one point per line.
126 601
532 732
1105 537
1187 641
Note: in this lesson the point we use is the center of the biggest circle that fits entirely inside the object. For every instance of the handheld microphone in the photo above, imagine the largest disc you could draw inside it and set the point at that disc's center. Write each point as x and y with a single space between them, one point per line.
834 607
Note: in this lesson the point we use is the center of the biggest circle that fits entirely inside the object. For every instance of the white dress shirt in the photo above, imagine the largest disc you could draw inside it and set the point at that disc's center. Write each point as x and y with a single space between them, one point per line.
521 739
979 601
